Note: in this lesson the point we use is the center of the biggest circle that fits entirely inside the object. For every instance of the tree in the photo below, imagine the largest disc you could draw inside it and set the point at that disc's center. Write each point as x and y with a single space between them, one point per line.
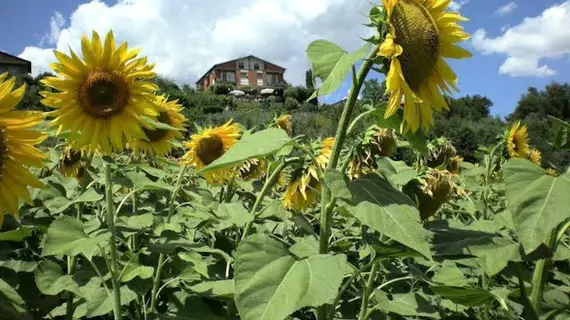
374 90
309 81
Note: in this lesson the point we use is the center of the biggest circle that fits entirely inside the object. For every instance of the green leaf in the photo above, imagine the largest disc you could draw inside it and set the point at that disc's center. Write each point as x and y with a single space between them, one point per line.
234 214
222 289
19 265
396 171
133 268
411 305
66 236
381 207
142 182
137 222
51 280
183 306
99 303
305 247
257 145
12 306
90 195
450 276
16 235
332 64
537 202
337 183
469 297
271 284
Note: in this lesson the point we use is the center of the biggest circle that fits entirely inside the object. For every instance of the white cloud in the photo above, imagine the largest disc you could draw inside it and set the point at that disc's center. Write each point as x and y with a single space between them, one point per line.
506 9
456 5
526 44
186 37
56 23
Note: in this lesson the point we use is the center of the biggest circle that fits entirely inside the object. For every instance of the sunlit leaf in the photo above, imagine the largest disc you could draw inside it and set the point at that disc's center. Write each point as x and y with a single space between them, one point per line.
66 236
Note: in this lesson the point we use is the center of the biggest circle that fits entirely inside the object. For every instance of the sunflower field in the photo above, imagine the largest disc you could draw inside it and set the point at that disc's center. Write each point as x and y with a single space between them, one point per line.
103 222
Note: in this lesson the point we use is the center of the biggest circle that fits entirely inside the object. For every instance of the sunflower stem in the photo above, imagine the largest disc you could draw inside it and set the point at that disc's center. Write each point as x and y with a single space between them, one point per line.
72 261
160 264
114 267
367 290
264 191
326 207
541 272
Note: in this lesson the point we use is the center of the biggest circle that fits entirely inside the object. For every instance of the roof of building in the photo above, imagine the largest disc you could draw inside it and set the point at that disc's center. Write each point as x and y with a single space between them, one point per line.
220 63
29 63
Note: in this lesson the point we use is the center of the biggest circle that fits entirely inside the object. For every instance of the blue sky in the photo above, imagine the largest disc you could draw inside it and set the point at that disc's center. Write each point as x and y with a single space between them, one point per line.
28 22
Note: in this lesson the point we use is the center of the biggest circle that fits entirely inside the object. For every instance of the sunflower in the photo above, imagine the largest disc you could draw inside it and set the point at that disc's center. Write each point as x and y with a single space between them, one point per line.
252 169
102 98
70 164
158 142
324 151
285 122
431 191
17 148
420 35
517 141
207 146
551 172
302 192
360 164
383 142
535 156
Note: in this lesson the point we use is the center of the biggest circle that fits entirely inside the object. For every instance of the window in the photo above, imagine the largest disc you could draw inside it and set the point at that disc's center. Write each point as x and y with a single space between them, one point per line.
259 78
243 78
241 66
272 78
228 76
256 66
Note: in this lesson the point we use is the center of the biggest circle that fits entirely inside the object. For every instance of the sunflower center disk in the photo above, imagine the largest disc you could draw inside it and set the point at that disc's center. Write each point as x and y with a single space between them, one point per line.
154 135
210 149
417 33
103 94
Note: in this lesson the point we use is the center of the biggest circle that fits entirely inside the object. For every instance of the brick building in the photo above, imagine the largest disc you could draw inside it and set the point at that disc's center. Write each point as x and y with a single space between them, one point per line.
247 71
14 65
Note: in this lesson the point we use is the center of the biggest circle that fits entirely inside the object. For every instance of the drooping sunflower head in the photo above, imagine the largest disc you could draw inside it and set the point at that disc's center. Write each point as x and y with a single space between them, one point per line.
383 142
285 122
440 152
209 145
302 192
70 164
323 151
454 165
252 169
430 191
103 97
421 33
517 141
17 148
361 163
535 156
158 141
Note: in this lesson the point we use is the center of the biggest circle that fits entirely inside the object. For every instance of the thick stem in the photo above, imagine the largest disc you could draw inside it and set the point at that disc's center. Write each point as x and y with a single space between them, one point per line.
156 282
114 268
540 274
72 261
367 290
264 191
326 203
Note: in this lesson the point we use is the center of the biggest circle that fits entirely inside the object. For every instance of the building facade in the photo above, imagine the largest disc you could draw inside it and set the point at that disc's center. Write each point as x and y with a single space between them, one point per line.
14 65
249 71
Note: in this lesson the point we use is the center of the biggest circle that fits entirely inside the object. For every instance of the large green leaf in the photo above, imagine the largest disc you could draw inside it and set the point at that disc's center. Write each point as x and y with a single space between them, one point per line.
271 284
51 280
12 306
337 183
19 265
537 202
16 235
89 195
450 276
409 305
378 205
234 214
257 145
221 289
332 64
470 297
66 236
100 303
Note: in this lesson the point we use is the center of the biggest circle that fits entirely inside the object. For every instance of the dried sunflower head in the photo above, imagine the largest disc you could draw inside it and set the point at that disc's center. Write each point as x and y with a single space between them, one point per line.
440 152
431 191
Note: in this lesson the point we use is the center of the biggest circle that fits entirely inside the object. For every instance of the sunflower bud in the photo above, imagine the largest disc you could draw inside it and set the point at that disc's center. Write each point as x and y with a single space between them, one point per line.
535 156
454 165
430 191
70 163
